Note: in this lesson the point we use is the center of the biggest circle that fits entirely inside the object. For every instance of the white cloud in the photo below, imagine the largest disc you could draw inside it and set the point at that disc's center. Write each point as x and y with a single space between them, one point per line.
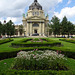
13 10
73 22
69 1
69 12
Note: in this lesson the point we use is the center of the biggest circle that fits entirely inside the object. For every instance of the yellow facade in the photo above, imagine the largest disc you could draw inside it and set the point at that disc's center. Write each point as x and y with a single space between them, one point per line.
35 22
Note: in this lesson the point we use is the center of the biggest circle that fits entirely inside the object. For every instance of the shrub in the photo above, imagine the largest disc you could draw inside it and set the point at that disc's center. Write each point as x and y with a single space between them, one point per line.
5 40
9 54
41 72
68 40
47 42
40 60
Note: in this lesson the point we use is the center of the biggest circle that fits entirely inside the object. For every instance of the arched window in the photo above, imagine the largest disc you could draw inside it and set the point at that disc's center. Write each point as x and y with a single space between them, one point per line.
35 25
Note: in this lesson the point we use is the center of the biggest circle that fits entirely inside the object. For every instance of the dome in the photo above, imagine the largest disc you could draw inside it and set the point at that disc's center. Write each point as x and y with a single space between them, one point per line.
35 5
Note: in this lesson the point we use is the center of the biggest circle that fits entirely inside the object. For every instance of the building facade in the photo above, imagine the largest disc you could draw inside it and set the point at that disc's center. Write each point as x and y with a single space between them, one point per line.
35 21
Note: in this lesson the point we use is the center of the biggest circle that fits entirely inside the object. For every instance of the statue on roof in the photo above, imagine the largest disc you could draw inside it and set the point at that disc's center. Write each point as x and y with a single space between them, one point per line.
23 15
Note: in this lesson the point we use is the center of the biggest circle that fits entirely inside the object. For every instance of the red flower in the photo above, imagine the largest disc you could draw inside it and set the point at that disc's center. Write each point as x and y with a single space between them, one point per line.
36 49
57 51
60 51
5 63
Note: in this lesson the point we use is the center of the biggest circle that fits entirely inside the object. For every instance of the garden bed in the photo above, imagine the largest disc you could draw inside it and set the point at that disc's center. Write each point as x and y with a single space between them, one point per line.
7 63
35 43
68 40
6 66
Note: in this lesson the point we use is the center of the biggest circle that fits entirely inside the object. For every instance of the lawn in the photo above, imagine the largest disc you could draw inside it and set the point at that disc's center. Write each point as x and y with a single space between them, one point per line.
70 46
6 47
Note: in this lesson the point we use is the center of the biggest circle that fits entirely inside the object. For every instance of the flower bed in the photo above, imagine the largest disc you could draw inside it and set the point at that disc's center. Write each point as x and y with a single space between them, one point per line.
39 60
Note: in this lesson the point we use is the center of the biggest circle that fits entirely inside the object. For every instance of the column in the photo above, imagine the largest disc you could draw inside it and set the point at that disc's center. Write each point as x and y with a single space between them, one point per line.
30 29
18 33
27 29
40 28
43 29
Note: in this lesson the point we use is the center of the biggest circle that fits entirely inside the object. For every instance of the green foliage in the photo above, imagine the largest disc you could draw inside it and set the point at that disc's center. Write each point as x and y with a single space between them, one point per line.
7 28
5 69
41 72
5 64
39 60
0 28
55 25
13 53
64 25
5 40
34 43
10 28
68 40
6 51
67 27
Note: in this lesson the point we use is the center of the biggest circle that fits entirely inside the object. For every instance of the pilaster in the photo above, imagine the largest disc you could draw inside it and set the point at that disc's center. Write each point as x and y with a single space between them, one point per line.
31 29
27 29
43 29
40 29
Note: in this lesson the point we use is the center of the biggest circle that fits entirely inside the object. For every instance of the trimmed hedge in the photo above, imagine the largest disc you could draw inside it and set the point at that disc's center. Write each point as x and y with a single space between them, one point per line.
5 41
68 40
66 52
25 43
41 72
35 44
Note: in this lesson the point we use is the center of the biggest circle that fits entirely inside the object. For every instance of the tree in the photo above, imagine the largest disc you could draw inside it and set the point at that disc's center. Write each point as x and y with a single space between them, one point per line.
55 25
67 27
10 28
70 28
0 28
64 26
4 28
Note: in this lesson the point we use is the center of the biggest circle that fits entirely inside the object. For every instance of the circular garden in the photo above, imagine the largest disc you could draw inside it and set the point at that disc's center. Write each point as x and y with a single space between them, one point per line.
37 56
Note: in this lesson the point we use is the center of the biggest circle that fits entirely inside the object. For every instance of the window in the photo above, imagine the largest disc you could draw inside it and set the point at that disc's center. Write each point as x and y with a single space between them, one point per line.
35 25
35 13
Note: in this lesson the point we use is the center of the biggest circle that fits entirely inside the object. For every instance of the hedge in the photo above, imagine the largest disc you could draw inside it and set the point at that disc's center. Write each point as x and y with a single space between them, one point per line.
41 72
25 43
5 41
35 44
66 52
68 40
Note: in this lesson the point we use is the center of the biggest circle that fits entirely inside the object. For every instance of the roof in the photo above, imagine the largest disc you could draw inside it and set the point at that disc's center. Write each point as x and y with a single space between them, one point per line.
35 5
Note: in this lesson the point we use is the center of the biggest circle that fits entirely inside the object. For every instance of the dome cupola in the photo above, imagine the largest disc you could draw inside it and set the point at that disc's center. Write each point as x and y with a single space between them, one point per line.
35 5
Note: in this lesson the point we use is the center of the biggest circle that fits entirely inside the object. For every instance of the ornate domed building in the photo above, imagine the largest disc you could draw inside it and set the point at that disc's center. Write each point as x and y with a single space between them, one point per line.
35 22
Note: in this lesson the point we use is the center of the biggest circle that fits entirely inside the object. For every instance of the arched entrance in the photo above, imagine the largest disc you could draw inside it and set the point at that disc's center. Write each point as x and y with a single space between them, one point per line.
35 31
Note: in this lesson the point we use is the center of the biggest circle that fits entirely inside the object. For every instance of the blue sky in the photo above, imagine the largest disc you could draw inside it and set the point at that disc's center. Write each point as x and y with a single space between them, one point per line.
13 10
69 7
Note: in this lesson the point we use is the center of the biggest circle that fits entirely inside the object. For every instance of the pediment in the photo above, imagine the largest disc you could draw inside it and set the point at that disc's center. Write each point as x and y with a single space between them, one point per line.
35 18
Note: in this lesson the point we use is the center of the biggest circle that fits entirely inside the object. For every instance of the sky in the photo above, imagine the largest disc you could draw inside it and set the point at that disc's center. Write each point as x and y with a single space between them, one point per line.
14 9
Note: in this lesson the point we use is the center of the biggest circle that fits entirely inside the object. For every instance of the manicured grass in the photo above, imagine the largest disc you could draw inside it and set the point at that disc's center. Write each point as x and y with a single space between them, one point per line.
5 67
66 45
5 64
6 47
